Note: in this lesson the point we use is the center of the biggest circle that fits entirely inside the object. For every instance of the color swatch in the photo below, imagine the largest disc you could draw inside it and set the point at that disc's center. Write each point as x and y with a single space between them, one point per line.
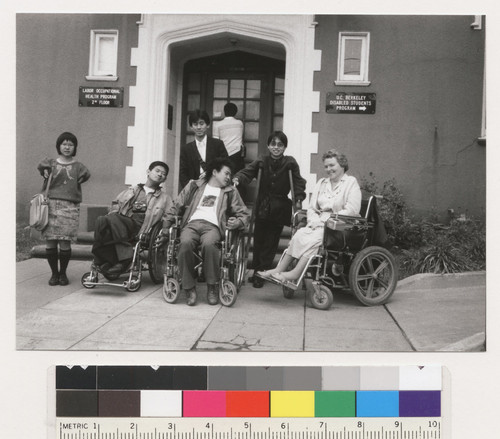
213 392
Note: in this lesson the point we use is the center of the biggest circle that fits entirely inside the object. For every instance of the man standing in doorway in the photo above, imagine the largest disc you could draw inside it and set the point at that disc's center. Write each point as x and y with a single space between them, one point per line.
203 149
230 131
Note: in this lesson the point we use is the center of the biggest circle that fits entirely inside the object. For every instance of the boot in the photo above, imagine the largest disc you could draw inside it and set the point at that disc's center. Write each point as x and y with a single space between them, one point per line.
212 296
52 260
191 296
64 257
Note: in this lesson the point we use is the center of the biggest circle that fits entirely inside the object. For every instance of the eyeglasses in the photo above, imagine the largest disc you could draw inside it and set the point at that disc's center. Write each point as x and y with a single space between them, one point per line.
278 145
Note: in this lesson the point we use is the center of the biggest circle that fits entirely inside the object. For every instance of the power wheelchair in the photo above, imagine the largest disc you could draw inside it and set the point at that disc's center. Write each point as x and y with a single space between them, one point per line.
232 265
348 258
146 255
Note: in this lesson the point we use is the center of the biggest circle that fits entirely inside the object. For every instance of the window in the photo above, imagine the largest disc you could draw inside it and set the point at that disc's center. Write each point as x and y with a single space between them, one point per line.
103 55
352 68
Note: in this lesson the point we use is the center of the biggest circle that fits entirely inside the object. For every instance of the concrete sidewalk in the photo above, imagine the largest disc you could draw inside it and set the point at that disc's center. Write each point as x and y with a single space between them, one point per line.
426 313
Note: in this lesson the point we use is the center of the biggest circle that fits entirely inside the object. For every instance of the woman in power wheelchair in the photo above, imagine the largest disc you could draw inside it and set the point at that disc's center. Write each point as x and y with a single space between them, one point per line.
329 244
204 228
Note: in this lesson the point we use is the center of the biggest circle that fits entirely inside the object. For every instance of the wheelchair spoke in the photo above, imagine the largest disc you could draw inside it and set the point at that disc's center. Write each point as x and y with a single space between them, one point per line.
370 265
383 283
369 291
383 265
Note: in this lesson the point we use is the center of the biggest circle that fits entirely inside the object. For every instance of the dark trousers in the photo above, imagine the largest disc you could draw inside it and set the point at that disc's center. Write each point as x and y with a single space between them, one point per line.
266 238
112 238
199 233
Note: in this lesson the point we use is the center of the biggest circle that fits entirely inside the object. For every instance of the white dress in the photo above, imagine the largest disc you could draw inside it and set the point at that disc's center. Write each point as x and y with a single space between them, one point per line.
344 198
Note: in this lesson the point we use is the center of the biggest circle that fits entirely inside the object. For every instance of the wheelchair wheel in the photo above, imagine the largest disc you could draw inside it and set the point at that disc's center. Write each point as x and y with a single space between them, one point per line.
227 293
157 257
134 284
171 290
373 275
87 277
237 270
288 293
321 297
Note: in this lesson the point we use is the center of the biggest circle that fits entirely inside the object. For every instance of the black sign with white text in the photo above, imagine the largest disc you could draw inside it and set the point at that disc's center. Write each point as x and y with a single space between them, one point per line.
100 97
351 103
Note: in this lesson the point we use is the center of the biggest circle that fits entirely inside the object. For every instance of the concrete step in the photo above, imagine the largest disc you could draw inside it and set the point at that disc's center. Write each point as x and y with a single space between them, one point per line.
79 252
82 249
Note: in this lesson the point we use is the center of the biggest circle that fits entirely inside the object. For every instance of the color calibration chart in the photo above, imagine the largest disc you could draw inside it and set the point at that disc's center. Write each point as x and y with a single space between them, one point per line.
222 402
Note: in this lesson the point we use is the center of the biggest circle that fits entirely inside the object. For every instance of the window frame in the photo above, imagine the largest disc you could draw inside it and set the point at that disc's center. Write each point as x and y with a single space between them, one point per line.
95 37
362 78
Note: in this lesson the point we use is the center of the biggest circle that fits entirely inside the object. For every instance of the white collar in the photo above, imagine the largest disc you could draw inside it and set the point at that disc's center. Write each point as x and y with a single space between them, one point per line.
202 142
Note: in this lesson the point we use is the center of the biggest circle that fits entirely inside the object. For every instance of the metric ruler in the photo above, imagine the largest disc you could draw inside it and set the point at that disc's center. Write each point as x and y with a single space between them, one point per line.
219 402
250 428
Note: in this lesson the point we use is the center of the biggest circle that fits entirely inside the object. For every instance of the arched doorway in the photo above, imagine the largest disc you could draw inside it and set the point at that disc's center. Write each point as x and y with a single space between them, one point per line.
171 46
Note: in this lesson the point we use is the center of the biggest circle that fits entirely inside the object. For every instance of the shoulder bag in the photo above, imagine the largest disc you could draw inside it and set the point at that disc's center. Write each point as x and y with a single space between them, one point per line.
39 208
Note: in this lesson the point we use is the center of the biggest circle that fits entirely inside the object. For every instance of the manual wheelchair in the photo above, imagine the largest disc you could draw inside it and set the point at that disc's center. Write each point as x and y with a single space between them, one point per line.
232 265
348 258
146 255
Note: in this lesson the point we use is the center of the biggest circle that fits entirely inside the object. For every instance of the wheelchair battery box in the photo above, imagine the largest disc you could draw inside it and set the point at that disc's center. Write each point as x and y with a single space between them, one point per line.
340 234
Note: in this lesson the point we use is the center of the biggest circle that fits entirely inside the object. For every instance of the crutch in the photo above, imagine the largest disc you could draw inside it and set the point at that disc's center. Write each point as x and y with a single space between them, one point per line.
252 216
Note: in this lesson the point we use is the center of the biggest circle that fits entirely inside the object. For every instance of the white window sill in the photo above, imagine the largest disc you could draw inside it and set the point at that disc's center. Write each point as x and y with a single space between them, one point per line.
481 141
353 83
101 78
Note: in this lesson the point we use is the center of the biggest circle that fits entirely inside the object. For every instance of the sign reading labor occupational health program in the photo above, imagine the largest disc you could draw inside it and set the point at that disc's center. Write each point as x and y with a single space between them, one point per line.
350 103
100 97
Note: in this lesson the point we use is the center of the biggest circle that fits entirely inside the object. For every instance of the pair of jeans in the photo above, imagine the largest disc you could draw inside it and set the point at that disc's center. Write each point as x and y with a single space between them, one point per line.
207 237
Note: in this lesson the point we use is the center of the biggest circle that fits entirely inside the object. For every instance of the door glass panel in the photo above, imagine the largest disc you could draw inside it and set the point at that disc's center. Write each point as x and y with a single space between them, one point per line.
194 82
252 151
278 104
218 109
252 110
220 88
239 105
278 123
193 102
251 131
253 89
279 85
237 89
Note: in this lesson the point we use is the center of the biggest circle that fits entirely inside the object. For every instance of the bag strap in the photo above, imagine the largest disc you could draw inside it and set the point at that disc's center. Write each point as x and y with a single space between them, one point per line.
48 182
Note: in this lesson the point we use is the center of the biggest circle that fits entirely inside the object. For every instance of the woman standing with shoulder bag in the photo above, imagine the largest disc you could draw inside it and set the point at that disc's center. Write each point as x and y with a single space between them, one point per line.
65 196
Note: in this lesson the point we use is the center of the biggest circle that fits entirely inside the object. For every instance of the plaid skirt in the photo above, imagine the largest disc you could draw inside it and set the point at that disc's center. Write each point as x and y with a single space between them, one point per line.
64 217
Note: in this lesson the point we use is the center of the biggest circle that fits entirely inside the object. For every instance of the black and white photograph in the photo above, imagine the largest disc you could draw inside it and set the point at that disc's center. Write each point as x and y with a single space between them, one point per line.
250 185
251 182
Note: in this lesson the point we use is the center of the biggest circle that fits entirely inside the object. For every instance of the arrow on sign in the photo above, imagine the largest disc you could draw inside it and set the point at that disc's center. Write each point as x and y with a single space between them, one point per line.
362 108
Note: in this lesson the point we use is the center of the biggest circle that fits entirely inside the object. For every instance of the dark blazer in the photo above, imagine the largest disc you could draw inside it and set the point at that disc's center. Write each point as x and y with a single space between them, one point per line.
190 159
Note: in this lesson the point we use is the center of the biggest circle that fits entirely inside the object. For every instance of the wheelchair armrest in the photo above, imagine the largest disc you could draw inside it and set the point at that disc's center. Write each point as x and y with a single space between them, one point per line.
297 219
348 218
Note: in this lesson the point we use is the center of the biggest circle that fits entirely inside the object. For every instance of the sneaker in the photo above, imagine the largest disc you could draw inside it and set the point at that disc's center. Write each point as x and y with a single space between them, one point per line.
212 296
191 296
54 280
63 279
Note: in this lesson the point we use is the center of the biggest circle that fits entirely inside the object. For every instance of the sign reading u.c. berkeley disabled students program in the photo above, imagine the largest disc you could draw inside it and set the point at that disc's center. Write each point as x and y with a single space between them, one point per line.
350 103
